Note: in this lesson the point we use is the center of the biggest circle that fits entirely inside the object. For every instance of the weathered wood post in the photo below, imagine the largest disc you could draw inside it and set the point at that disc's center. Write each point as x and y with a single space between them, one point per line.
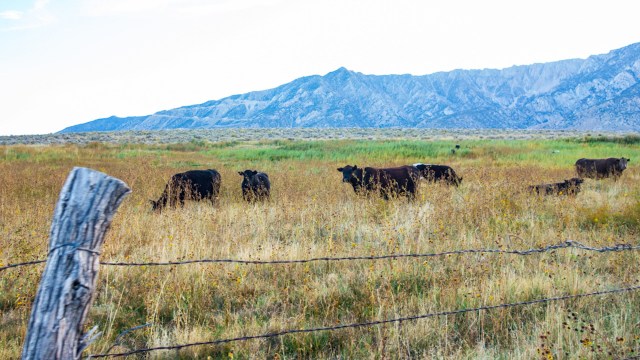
86 206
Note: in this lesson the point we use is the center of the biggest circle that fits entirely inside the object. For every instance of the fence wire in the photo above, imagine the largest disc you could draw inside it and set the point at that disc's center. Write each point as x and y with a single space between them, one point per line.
366 324
35 262
562 245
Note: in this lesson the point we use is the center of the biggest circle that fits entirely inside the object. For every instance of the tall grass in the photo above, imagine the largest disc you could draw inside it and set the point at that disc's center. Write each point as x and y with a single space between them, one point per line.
313 214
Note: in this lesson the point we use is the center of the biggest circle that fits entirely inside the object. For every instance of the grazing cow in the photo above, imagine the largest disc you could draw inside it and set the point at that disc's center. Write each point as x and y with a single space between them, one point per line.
387 181
601 168
568 187
435 173
193 184
255 185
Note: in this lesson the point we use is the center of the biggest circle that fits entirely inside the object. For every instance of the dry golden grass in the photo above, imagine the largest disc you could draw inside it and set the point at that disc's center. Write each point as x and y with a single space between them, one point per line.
313 214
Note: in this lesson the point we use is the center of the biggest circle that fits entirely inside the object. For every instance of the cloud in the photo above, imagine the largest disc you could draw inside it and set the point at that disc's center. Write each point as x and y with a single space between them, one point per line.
11 15
220 6
40 5
120 7
201 7
35 16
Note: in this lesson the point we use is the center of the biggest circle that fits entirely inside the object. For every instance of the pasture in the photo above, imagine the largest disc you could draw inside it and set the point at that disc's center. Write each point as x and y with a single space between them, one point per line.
313 214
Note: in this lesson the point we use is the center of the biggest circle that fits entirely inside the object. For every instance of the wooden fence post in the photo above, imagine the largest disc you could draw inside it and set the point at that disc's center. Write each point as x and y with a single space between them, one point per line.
84 211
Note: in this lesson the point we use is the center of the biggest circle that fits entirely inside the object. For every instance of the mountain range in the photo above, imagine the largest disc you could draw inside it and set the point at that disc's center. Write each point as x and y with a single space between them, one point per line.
601 92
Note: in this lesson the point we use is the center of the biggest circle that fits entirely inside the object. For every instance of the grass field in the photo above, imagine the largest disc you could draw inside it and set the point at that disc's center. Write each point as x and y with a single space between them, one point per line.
313 214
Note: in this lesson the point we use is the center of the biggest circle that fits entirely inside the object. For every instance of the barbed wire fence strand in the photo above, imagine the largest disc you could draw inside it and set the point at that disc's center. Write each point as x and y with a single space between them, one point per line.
367 324
563 245
34 262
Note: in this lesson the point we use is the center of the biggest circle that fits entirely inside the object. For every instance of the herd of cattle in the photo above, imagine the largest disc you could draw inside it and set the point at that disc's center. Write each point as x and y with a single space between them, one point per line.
387 182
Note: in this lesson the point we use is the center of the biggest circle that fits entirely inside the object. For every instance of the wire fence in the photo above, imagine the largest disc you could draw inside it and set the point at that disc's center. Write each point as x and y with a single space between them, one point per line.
563 245
10 266
371 323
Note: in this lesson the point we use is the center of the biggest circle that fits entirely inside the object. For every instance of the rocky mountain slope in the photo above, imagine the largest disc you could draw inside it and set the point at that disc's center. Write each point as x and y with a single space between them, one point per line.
601 92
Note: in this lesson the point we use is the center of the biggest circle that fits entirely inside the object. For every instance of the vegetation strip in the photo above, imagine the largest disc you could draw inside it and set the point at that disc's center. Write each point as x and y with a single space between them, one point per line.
563 245
313 214
372 323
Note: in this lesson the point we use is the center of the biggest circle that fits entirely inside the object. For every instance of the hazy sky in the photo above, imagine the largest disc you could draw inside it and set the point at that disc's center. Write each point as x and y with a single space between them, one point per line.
65 62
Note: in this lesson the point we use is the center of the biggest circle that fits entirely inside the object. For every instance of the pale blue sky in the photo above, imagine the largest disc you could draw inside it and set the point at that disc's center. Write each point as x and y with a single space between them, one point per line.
65 62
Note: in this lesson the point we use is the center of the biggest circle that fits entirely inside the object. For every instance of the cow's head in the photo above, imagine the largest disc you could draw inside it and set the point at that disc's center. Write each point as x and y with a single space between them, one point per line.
422 169
420 166
248 174
348 173
574 182
571 186
622 163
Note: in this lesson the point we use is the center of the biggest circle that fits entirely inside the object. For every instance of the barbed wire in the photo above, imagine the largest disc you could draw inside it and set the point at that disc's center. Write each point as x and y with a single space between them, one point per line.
366 324
35 262
563 245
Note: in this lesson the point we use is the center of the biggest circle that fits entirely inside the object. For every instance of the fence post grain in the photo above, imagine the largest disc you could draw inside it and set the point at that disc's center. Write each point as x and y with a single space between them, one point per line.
87 204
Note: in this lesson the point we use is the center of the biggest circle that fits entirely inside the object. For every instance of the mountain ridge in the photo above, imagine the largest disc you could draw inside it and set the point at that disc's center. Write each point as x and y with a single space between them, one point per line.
601 92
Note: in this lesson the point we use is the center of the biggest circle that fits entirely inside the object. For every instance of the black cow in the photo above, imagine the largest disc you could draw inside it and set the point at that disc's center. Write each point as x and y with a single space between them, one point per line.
435 173
193 184
387 181
568 187
255 185
354 176
601 168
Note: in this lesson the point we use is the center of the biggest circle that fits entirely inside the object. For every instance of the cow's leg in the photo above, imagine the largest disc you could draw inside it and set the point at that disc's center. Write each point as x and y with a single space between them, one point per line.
384 193
182 196
263 194
411 189
173 198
